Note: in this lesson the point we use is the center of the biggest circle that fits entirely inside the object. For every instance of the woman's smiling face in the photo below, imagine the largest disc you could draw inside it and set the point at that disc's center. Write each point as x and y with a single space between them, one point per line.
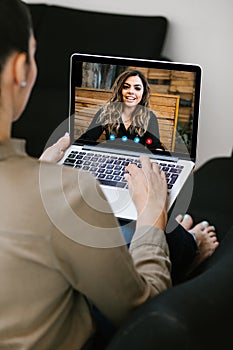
132 91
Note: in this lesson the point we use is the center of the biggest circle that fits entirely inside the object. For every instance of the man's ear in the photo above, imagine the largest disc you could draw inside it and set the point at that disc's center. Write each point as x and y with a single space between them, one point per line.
20 68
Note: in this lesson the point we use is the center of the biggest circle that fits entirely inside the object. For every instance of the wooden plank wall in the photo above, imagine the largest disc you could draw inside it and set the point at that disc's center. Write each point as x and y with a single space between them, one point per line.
176 83
166 106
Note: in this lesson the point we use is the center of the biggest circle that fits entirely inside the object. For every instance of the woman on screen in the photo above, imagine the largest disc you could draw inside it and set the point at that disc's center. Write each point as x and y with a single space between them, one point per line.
127 115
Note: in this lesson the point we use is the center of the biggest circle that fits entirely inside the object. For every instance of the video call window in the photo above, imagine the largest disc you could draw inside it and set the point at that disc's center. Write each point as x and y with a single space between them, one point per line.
171 100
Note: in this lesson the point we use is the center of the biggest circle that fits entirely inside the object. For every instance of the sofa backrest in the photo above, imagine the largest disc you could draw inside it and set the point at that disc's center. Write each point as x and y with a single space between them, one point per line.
61 31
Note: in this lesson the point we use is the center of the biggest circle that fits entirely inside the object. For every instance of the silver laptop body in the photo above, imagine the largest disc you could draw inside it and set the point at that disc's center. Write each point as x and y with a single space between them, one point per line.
175 95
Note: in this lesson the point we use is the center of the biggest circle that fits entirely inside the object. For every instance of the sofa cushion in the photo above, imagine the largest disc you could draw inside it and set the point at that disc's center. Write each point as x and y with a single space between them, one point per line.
197 314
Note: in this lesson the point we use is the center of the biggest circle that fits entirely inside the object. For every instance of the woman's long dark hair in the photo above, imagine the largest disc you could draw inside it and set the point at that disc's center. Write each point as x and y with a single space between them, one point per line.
111 113
15 29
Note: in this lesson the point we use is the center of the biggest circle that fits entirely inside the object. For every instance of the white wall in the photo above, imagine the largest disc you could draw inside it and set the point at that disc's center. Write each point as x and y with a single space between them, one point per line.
199 32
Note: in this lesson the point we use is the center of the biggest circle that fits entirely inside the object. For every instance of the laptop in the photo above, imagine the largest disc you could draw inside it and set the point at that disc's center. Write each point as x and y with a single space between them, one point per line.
174 98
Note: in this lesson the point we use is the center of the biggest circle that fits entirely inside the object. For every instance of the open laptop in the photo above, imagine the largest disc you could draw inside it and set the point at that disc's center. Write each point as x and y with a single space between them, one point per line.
174 100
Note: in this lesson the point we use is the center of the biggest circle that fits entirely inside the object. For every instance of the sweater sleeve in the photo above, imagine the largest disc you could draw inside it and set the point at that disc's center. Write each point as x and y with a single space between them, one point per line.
95 260
150 254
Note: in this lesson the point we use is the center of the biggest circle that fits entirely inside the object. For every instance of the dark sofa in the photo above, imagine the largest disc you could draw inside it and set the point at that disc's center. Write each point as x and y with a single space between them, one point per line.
196 313
60 32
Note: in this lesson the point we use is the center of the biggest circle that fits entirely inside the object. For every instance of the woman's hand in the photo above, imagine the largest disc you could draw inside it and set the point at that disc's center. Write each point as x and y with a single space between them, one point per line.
55 152
148 188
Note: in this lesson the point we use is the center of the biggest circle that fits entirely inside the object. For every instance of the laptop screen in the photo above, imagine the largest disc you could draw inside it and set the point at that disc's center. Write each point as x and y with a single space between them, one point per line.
135 104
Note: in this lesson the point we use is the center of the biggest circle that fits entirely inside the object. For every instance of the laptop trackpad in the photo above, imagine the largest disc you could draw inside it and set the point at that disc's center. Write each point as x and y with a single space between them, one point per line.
121 203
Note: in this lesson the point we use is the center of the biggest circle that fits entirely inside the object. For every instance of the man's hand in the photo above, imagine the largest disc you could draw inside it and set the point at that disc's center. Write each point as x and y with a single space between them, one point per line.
55 152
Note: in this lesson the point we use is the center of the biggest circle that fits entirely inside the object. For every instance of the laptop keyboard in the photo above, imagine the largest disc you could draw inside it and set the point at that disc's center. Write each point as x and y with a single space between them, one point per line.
110 169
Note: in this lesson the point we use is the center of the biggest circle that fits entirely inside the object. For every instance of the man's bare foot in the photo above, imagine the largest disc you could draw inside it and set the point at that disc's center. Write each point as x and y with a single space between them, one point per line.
205 235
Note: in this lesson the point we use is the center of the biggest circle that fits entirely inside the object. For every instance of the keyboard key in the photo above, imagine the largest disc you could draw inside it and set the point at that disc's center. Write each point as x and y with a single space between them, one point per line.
79 156
175 170
86 167
109 177
117 162
93 168
124 163
101 160
117 167
69 162
110 166
173 179
72 155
